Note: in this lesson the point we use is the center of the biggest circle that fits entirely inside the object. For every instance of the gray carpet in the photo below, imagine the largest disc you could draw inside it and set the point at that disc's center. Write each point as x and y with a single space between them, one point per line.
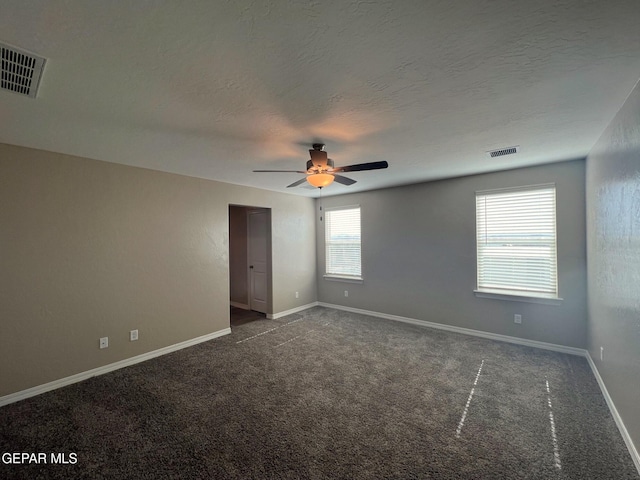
328 394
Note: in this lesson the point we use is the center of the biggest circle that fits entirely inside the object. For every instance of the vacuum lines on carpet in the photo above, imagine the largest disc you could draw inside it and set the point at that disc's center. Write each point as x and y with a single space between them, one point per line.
466 407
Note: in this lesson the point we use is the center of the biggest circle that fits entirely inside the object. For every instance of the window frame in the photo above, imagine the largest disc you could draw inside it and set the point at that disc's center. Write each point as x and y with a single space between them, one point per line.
337 276
518 294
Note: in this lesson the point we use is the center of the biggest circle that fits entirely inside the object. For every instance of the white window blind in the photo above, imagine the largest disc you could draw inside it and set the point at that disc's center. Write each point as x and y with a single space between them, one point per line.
342 241
516 241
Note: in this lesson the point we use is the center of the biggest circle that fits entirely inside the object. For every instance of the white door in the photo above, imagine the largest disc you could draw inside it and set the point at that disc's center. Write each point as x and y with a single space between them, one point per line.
258 231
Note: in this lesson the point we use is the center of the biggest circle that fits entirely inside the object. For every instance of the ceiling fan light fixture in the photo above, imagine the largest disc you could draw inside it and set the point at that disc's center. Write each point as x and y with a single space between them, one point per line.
320 180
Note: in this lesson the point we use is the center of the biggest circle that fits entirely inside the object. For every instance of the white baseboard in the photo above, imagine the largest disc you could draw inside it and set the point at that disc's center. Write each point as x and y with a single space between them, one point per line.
243 306
614 413
466 331
274 316
78 377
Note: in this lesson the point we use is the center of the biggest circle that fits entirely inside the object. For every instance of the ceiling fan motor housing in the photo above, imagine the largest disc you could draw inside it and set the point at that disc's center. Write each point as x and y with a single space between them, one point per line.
316 164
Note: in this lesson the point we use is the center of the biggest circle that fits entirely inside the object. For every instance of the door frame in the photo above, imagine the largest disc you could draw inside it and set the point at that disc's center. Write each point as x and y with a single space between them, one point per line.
248 209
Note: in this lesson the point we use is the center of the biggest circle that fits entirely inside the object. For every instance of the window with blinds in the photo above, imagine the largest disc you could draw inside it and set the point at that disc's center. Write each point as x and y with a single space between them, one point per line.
342 242
516 241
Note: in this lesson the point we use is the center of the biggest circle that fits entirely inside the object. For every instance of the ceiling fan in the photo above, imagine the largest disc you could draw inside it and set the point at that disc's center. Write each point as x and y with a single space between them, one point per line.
322 172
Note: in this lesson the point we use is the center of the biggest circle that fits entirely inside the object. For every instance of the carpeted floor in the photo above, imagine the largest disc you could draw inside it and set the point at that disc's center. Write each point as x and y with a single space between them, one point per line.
326 394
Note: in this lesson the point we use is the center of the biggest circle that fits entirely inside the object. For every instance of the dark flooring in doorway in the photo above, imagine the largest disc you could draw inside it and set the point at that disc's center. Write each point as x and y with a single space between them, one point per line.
240 316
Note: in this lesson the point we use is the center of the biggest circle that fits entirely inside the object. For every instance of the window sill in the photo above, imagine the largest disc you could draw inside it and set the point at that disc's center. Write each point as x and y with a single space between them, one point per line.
509 296
338 278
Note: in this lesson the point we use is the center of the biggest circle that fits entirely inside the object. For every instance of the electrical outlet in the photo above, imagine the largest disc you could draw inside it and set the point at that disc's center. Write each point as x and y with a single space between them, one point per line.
602 354
297 295
104 342
517 318
133 335
346 293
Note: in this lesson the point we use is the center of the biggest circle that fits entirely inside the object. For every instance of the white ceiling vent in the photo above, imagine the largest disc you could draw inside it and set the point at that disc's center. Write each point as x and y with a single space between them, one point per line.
504 151
21 71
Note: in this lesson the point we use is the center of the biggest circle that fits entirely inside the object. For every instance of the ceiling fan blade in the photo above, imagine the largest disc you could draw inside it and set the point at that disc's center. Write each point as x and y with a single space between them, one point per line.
343 180
299 182
362 166
281 171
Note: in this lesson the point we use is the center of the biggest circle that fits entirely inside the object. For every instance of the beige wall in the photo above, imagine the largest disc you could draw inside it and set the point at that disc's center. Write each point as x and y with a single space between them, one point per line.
92 249
613 235
419 257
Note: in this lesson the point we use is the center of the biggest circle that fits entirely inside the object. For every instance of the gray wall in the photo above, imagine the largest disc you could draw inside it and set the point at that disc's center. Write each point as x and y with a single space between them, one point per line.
613 237
419 257
93 249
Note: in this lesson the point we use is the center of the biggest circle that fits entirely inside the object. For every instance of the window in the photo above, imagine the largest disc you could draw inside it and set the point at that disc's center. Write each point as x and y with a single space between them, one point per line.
342 242
516 241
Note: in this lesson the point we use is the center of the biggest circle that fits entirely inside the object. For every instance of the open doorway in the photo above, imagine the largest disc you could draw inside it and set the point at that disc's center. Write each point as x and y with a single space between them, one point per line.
249 263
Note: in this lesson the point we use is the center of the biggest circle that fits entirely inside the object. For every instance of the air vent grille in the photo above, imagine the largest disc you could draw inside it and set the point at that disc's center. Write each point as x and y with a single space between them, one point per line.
504 151
21 71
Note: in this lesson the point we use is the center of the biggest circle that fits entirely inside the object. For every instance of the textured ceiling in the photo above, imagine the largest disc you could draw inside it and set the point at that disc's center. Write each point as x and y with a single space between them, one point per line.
215 89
